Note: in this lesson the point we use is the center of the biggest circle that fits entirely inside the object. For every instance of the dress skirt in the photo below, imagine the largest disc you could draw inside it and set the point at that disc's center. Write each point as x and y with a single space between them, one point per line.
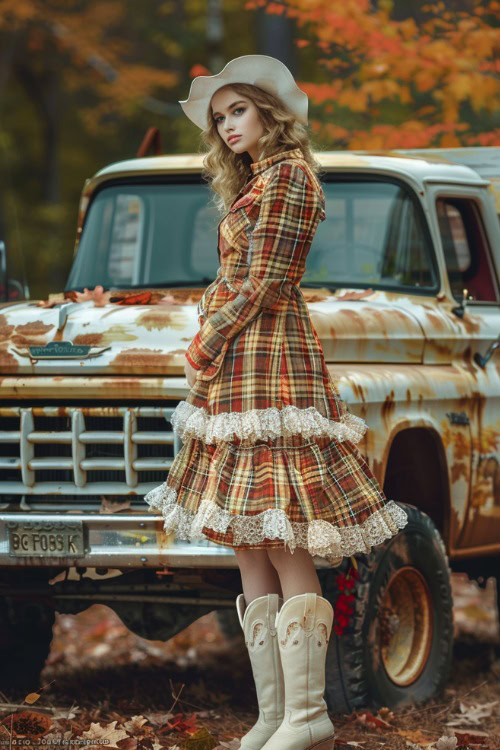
314 492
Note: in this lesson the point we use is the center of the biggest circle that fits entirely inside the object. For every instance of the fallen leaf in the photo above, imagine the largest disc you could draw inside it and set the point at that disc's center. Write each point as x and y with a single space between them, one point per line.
28 724
471 714
416 736
201 740
369 719
32 698
108 733
66 713
446 743
134 724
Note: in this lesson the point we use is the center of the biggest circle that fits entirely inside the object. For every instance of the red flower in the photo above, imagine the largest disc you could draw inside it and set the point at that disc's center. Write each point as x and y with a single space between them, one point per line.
342 611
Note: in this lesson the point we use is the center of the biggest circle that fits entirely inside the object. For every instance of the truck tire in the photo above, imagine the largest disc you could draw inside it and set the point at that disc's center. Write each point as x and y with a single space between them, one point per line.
229 624
397 647
25 637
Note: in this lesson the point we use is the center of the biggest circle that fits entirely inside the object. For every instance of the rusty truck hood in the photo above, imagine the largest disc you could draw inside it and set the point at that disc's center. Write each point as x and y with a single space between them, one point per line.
152 339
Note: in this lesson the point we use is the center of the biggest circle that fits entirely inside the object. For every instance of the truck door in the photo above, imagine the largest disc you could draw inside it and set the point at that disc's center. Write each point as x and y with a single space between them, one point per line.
470 263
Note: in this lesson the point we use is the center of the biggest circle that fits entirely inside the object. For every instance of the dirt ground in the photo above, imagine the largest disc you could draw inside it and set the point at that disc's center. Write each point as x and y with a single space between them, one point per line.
104 685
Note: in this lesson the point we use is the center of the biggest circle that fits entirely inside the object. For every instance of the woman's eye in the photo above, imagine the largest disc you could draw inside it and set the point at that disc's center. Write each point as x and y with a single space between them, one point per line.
238 109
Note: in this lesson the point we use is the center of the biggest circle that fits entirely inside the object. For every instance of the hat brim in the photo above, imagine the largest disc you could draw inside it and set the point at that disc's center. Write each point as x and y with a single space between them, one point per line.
263 71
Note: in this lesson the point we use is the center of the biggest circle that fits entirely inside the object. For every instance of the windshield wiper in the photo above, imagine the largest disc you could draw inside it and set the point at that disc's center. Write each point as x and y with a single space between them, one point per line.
187 282
318 285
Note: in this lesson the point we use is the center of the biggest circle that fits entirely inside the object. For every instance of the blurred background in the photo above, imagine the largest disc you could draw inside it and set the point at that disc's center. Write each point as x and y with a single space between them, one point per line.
82 80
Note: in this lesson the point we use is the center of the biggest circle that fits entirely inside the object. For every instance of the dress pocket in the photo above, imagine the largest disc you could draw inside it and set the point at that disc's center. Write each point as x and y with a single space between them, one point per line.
238 218
211 370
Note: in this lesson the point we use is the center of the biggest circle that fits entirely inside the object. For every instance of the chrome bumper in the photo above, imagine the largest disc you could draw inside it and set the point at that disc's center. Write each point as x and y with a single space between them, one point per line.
120 541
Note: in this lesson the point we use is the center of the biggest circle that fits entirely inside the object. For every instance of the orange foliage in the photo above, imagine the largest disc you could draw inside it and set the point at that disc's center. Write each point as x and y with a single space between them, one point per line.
97 53
449 59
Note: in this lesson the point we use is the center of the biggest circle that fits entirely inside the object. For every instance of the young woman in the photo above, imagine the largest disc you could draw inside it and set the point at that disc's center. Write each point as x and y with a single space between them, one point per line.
269 464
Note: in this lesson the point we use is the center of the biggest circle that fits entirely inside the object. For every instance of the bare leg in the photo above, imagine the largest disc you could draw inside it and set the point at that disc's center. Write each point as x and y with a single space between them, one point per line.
297 572
258 574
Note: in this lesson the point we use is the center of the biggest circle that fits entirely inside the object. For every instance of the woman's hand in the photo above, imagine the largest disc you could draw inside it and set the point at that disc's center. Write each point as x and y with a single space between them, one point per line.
190 373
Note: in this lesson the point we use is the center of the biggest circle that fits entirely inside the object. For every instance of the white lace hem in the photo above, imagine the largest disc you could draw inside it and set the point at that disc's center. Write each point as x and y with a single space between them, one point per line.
318 537
261 424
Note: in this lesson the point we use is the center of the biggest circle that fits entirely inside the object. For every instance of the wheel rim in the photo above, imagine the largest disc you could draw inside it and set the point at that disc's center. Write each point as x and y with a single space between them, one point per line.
405 626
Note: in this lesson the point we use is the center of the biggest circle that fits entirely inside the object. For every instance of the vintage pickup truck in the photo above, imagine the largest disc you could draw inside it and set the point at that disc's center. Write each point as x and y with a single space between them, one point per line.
403 288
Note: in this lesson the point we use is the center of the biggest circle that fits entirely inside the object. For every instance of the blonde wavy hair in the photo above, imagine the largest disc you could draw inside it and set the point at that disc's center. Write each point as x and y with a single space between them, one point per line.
225 171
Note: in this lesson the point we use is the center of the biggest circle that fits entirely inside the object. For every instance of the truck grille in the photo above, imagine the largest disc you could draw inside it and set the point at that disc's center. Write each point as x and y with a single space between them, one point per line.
85 450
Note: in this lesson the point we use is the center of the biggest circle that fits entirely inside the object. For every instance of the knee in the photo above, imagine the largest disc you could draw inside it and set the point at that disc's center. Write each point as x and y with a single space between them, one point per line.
281 557
252 558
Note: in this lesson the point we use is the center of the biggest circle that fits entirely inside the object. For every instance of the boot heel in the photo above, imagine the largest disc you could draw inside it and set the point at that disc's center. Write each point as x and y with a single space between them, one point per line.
326 744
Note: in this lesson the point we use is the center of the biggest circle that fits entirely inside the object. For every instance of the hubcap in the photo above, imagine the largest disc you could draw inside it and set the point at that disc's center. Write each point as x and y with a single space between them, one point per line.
405 626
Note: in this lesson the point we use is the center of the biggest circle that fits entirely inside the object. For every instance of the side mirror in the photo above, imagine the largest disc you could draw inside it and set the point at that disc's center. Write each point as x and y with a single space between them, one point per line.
483 359
459 310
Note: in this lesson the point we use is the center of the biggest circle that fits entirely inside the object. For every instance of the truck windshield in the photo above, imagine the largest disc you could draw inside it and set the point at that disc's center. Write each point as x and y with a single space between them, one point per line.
144 235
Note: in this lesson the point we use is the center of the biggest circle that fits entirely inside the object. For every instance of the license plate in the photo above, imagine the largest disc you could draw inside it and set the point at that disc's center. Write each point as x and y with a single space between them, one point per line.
46 538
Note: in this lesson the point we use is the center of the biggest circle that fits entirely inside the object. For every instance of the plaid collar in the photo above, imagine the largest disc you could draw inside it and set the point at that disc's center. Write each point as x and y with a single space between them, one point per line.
258 166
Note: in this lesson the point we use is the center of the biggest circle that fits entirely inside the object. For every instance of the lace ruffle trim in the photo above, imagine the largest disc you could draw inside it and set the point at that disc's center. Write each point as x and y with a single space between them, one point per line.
317 536
262 424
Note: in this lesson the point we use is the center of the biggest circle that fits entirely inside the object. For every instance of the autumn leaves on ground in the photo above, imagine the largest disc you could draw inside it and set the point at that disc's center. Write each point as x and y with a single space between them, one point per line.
102 685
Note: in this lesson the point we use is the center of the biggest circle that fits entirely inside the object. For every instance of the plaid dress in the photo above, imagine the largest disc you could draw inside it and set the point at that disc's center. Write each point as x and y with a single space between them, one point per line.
269 456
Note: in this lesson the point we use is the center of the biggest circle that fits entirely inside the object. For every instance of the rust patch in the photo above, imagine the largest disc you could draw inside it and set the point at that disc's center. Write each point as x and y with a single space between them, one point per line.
388 406
160 319
437 322
356 295
470 324
314 296
377 468
358 391
23 342
131 360
115 333
34 328
5 328
8 361
88 339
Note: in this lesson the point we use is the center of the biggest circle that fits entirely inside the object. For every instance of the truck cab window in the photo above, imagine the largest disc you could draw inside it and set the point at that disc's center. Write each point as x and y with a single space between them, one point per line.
374 236
465 250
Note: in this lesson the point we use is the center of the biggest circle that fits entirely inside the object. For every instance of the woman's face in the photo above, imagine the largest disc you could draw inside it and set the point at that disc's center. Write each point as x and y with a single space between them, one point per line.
235 115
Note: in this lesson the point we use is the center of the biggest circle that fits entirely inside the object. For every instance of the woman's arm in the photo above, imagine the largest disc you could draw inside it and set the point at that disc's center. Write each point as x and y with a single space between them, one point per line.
291 208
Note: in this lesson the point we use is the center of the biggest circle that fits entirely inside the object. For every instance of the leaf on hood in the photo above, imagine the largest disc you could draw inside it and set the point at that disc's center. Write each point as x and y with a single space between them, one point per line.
98 295
53 299
109 733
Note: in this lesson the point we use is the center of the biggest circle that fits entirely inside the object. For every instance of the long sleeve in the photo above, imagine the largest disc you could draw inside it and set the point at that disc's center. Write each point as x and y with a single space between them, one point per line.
291 207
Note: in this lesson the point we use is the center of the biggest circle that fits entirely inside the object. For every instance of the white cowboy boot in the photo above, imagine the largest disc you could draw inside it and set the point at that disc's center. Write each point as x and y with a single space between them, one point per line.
258 621
304 625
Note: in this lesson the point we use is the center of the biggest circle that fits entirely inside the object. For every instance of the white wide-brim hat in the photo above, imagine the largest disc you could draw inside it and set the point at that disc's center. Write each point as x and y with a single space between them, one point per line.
263 71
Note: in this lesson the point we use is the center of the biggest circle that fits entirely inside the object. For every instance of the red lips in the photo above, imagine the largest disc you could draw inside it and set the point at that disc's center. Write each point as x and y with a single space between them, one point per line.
233 138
